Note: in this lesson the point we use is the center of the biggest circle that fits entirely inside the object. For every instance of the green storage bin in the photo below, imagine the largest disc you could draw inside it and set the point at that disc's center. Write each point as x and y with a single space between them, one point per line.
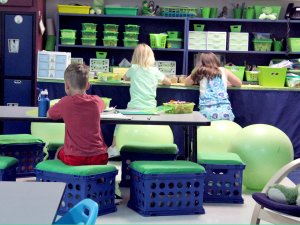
271 77
174 43
67 41
130 43
89 41
110 34
294 44
132 28
89 34
269 9
110 42
235 28
158 40
68 33
126 11
199 27
131 35
237 70
174 34
101 55
262 45
251 75
89 26
111 27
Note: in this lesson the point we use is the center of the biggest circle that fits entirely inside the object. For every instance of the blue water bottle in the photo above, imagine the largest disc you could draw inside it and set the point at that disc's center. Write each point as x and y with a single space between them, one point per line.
43 103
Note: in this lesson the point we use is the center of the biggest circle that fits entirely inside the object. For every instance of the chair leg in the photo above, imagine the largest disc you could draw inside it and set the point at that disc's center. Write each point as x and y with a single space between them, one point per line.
255 215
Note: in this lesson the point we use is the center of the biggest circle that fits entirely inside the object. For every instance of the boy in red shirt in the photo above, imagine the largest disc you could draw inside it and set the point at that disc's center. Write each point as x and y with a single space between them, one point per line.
84 143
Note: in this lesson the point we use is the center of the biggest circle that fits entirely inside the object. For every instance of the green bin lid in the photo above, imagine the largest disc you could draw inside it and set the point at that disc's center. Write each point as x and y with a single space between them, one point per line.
6 162
166 167
19 139
219 158
57 166
155 149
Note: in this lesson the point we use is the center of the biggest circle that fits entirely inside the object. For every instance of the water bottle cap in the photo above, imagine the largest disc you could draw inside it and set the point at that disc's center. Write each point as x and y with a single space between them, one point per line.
44 92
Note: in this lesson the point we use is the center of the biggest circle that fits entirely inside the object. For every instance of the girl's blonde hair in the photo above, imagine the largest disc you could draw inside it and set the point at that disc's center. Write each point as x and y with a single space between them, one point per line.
207 66
143 56
77 75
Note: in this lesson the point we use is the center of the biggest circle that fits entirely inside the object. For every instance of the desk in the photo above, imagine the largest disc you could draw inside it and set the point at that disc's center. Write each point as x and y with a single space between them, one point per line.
188 121
30 202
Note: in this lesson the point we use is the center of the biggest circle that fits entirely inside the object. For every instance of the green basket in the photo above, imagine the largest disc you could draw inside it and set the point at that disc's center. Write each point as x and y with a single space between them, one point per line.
180 108
262 45
269 9
158 40
271 77
174 34
251 75
178 11
101 55
237 70
174 43
199 27
294 44
235 28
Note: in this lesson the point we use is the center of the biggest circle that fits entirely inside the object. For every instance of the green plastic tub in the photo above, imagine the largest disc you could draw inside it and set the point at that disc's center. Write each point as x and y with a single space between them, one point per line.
271 77
126 11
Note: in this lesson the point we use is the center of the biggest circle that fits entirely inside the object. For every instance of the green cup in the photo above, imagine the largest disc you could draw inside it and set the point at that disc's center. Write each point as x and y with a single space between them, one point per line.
277 46
237 13
249 13
205 12
213 13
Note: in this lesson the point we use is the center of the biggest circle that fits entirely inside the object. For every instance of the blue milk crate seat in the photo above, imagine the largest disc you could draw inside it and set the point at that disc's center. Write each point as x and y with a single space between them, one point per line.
96 182
8 167
155 152
27 148
161 188
223 183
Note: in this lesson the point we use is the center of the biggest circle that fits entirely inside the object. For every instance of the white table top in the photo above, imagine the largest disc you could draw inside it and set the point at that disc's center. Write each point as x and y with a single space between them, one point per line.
29 202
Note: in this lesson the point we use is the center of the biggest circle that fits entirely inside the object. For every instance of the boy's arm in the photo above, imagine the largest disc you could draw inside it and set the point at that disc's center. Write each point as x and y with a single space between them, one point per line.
55 111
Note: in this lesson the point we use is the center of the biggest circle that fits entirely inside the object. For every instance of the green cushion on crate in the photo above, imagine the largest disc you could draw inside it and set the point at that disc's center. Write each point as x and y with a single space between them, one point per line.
6 162
166 167
19 139
219 158
57 166
155 148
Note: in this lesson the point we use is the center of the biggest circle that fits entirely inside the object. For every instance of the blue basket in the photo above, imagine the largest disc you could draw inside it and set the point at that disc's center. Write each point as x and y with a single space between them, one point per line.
8 174
166 194
28 156
223 183
100 188
129 157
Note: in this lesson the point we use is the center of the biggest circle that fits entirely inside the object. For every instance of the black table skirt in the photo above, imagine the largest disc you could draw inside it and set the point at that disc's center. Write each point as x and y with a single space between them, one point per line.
273 107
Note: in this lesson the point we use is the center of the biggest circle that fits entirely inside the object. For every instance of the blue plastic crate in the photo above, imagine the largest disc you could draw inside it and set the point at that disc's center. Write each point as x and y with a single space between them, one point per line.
28 156
166 194
8 174
223 183
100 188
129 157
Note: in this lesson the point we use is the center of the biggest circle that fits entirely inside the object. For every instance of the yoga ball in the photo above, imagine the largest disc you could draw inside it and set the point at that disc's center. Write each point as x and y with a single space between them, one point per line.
217 137
143 135
264 149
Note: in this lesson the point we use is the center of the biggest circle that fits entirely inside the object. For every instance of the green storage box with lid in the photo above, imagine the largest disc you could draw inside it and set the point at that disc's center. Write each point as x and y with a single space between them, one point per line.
166 188
91 181
271 77
223 183
27 148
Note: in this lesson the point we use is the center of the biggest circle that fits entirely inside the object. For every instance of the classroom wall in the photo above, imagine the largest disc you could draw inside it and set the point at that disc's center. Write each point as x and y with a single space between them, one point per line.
51 5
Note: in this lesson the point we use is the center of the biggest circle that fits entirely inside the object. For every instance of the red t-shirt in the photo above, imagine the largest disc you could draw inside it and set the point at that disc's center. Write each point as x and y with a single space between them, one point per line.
81 114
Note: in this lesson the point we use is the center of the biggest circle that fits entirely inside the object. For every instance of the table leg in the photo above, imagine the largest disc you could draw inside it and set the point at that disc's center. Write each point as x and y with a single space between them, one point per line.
187 143
193 137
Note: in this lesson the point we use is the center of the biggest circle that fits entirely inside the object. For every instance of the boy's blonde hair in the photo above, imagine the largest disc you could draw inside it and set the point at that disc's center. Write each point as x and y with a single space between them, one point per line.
77 75
207 66
143 56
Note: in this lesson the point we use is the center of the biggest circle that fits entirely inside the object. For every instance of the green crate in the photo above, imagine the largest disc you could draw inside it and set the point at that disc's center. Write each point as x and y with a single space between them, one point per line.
130 43
174 34
158 40
132 28
126 11
89 34
199 27
237 70
178 11
110 42
67 41
271 77
269 9
294 44
235 28
101 55
174 43
111 27
262 45
110 34
89 41
131 35
89 26
251 75
68 33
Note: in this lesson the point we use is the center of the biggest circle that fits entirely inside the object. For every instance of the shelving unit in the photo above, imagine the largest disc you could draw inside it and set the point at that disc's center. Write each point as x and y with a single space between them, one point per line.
281 29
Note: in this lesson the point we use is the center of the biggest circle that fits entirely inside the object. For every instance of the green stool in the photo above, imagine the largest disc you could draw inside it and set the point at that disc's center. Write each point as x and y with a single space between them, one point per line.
93 181
8 166
155 152
28 149
166 188
223 183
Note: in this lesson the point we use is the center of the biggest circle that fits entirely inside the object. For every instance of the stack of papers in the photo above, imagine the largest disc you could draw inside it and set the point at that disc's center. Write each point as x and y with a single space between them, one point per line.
115 116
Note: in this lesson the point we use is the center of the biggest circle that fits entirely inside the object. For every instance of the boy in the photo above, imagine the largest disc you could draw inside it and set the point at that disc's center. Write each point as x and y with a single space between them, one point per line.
84 143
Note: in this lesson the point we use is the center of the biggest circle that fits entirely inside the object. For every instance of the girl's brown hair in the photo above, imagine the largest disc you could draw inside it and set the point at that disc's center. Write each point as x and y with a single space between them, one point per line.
207 66
77 75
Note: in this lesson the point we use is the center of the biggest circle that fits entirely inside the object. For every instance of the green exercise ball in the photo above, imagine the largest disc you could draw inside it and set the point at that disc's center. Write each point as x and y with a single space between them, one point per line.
143 135
216 137
264 149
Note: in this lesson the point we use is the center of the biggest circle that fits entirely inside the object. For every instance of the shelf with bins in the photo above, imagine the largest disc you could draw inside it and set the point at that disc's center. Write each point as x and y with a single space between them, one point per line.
146 25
